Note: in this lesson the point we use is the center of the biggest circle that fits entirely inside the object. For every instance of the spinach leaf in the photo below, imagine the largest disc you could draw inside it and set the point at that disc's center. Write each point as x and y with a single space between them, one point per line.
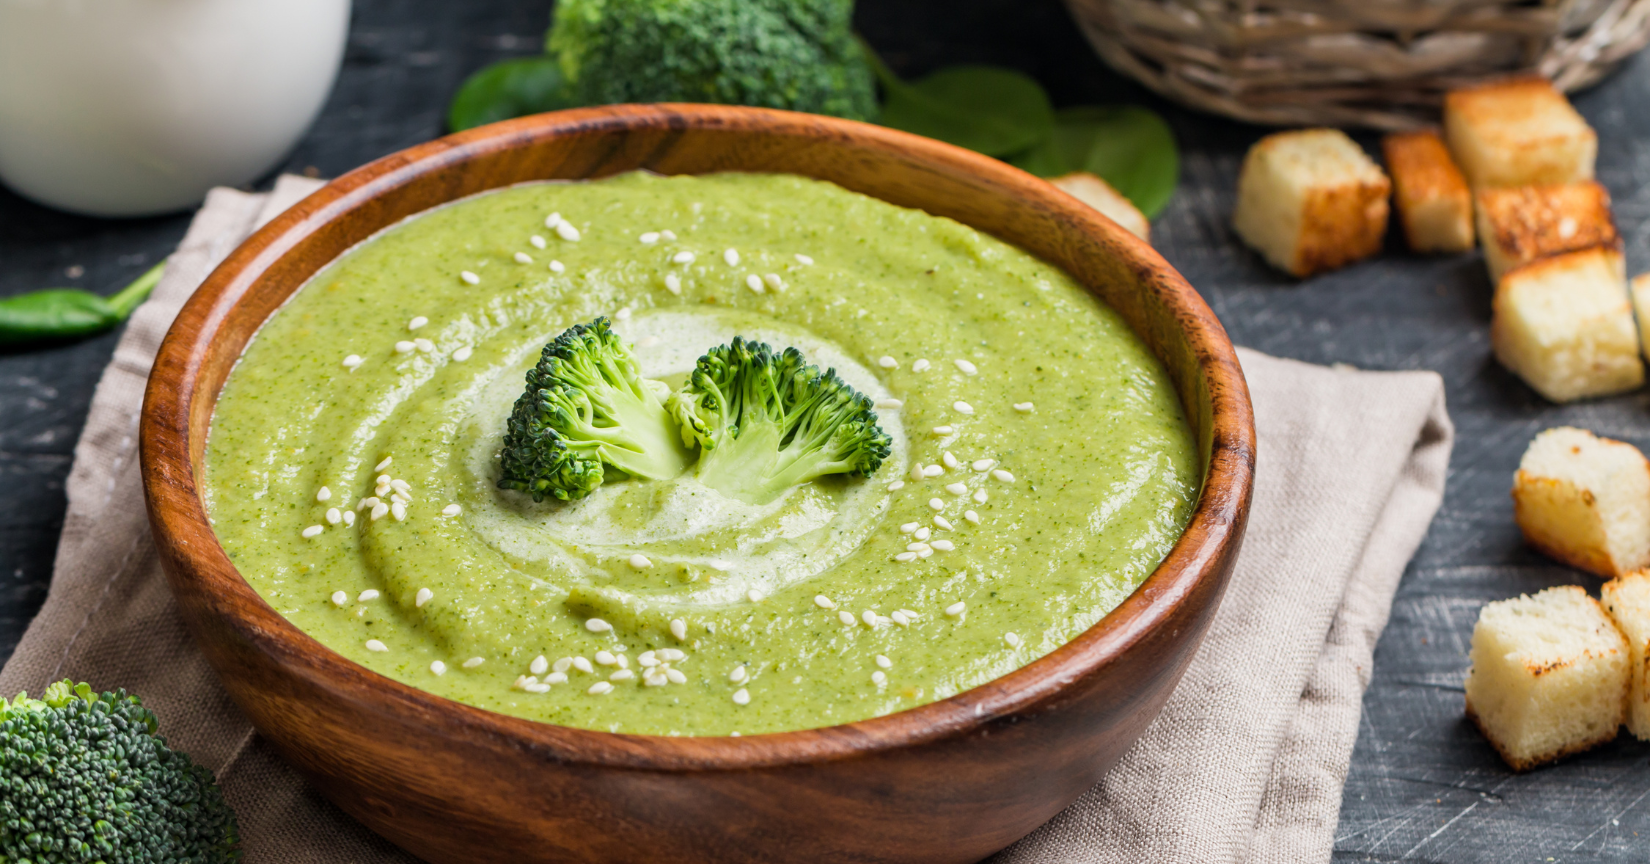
984 108
1127 146
509 88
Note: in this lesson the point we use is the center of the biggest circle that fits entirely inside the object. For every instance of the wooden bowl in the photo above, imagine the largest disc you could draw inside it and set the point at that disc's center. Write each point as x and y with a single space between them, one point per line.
950 781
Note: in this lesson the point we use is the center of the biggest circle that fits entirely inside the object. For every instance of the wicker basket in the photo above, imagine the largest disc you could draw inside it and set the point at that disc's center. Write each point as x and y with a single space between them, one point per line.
1378 63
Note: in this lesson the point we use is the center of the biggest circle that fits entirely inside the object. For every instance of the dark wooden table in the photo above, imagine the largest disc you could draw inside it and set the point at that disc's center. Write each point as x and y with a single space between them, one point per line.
1423 785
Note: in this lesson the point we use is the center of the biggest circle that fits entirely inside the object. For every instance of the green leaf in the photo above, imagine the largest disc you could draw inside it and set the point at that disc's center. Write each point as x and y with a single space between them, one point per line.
985 108
1127 146
509 88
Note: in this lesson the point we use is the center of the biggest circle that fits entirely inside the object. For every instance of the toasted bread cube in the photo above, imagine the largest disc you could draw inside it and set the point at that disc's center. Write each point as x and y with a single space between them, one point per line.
1627 599
1433 201
1640 289
1549 676
1311 200
1564 324
1585 501
1099 194
1520 224
1518 132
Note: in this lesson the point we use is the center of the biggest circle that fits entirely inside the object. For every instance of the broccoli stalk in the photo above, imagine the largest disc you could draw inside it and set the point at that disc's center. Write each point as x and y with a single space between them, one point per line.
768 421
84 778
800 55
587 406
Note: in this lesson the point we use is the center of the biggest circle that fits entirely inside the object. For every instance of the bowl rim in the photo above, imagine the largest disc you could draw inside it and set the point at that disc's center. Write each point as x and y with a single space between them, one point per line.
181 528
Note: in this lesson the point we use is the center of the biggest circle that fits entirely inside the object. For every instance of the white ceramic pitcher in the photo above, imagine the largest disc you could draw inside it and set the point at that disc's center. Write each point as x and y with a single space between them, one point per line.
135 107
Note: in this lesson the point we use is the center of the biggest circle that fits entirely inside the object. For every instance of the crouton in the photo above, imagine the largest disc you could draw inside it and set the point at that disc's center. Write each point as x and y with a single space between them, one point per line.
1097 193
1564 324
1585 501
1548 678
1521 224
1627 599
1434 204
1640 289
1518 132
1310 201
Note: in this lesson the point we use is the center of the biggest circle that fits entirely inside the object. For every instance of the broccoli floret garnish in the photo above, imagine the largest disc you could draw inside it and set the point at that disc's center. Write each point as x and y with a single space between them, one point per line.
799 55
768 421
84 778
586 405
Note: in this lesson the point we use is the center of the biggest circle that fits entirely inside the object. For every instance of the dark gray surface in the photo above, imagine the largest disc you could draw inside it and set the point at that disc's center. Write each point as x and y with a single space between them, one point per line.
1423 785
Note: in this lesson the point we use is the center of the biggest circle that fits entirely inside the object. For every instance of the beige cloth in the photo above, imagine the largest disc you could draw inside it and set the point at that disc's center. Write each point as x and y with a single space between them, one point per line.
1245 764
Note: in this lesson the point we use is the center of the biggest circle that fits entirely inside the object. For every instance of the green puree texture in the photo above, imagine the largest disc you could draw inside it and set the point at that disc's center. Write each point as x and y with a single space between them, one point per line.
1104 469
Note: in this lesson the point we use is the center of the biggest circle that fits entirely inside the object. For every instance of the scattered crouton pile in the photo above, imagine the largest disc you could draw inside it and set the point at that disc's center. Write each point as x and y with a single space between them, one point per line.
1559 672
1512 171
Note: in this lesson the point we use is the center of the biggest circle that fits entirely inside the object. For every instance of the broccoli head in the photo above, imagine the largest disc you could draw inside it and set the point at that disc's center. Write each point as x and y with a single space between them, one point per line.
587 406
84 778
767 421
799 55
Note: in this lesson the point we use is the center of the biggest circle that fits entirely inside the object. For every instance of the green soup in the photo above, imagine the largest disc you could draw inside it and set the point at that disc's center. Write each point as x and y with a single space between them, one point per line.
1041 466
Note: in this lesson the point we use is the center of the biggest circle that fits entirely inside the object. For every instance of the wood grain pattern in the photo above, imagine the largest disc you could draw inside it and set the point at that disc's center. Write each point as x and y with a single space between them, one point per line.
950 781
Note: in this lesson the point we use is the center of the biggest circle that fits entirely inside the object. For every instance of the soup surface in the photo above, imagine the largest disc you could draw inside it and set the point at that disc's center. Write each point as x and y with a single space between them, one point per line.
1040 466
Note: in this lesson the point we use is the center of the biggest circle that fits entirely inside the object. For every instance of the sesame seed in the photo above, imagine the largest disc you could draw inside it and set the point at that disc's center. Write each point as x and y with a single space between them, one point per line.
349 517
670 655
957 489
649 237
640 561
884 662
367 596
916 546
966 367
399 511
323 494
557 267
956 608
334 516
983 465
424 345
846 617
469 278
676 676
682 257
911 615
624 662
890 404
606 658
678 628
916 471
944 430
903 558
932 470
899 618
462 353
936 504
980 496
754 595
972 516
566 231
922 533
313 531
552 220
600 687
942 522
537 688
583 665
879 678
352 361
925 552
404 346
438 667
774 281
556 678
887 362
943 545
909 527
339 598
1024 407
803 259
732 257
741 697
523 258
896 485
367 502
673 284
754 282
375 645
597 625
388 460
401 486
1002 475
824 602
950 460
739 675
963 407
1013 639
537 241
563 664
622 675
655 678
473 662
423 596
623 314
920 366
399 498
450 510
668 234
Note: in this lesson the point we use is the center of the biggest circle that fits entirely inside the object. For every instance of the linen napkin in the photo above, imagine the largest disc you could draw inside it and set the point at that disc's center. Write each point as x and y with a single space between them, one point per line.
1245 764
